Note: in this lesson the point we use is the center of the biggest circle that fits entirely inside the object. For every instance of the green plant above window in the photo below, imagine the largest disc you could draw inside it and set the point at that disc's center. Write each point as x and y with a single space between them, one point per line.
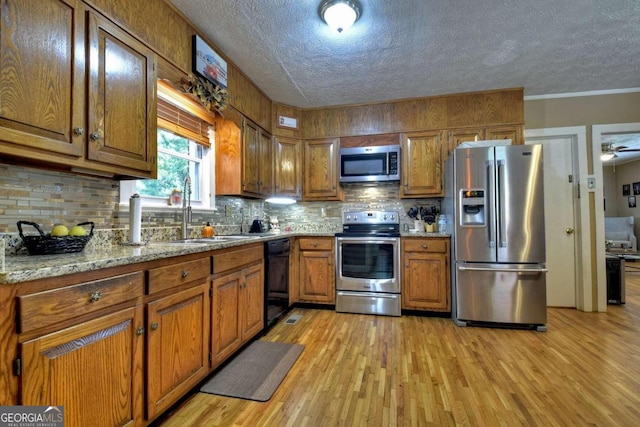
213 97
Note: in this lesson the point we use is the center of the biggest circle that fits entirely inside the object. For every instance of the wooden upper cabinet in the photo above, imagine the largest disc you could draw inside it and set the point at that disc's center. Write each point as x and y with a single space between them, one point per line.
122 103
458 136
513 132
266 163
321 169
288 167
42 71
421 164
76 89
257 166
251 157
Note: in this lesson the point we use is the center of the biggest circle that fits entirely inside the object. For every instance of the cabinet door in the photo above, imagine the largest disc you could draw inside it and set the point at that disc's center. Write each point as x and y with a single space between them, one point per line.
425 282
421 164
288 167
321 169
265 160
252 302
93 369
225 327
251 158
317 276
42 77
458 136
514 133
122 101
177 343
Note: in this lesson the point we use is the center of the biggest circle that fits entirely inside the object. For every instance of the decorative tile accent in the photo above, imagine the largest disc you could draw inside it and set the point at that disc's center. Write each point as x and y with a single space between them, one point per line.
47 197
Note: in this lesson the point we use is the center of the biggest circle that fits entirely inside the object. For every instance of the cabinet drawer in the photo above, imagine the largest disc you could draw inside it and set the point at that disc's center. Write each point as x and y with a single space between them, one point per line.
425 245
316 244
234 258
162 278
47 308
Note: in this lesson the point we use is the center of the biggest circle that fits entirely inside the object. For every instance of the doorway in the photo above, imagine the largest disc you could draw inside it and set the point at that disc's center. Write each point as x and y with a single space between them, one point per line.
565 151
598 136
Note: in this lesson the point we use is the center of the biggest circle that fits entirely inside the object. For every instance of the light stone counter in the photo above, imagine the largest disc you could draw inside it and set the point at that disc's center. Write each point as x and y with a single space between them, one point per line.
21 268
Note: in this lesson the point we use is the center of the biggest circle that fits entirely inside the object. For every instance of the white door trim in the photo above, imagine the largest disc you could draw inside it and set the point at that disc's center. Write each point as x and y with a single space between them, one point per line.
584 282
596 138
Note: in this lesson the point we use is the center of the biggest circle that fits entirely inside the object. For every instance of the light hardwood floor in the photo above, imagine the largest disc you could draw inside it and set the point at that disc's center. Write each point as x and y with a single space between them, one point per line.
361 370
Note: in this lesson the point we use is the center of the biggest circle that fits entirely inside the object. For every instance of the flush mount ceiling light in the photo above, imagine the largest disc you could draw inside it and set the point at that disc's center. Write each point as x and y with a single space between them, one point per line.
339 14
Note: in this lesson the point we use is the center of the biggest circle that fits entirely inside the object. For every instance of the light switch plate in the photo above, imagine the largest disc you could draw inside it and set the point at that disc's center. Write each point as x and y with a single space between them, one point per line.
591 183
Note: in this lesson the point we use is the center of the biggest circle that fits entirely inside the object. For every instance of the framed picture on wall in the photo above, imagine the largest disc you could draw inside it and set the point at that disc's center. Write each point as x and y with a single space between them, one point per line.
626 189
636 188
208 64
632 201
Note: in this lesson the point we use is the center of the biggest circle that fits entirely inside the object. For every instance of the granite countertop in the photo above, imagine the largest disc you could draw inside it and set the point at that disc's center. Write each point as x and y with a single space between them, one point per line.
21 268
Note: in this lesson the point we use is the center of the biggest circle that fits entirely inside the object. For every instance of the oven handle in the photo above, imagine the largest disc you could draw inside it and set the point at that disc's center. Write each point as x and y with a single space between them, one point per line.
372 240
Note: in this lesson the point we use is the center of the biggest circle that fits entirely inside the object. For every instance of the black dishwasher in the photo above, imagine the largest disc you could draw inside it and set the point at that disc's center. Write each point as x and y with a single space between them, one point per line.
276 279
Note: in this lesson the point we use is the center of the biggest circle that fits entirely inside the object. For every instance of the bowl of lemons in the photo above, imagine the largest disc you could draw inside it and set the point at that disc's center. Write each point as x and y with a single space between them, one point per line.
60 240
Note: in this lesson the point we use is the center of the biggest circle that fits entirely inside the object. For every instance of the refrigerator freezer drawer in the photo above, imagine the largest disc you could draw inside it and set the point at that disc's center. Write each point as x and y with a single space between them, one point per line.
501 293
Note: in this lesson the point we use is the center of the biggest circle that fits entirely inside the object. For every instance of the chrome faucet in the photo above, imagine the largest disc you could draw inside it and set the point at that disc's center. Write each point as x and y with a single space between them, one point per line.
186 205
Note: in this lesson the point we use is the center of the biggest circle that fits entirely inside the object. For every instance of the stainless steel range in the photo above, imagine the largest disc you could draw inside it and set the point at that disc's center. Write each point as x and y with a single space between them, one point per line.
368 263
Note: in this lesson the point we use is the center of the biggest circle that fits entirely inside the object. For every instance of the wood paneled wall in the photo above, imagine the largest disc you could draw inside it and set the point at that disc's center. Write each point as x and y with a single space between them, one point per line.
158 24
438 112
166 31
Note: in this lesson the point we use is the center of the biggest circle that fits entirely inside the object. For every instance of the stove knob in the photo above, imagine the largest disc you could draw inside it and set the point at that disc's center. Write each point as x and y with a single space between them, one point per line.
385 217
348 217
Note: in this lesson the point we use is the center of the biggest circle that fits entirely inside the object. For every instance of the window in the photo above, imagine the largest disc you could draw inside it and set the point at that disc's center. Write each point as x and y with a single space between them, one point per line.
177 157
183 150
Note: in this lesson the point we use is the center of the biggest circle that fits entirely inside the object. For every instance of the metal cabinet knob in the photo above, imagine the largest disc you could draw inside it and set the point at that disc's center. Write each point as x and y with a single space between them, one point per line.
314 244
140 331
95 296
95 136
78 131
424 246
569 230
154 326
185 273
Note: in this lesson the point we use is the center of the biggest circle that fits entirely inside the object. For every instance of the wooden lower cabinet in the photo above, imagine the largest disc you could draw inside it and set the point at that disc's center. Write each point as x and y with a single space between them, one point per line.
317 277
237 307
93 369
425 280
177 345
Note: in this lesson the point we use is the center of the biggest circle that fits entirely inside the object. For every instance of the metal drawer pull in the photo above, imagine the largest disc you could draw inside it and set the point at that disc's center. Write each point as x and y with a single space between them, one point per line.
314 244
95 296
185 273
424 246
507 270
154 326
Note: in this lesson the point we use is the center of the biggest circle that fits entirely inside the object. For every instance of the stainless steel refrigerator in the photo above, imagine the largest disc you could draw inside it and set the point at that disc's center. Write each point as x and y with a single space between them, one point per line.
494 199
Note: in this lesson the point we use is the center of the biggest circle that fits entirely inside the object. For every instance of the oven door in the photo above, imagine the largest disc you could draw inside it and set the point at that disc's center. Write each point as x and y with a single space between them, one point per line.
368 264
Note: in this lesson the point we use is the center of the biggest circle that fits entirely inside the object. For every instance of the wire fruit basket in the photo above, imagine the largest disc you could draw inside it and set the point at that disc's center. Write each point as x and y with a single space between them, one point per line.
46 244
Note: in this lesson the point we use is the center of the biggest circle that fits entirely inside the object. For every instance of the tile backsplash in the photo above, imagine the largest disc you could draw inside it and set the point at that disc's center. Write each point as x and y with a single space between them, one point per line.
47 197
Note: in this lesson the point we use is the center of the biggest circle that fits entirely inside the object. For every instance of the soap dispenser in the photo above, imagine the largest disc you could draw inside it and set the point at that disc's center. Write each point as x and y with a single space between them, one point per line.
207 230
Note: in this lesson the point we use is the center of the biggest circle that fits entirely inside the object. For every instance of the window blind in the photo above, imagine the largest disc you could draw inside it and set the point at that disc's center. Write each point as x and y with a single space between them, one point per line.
180 122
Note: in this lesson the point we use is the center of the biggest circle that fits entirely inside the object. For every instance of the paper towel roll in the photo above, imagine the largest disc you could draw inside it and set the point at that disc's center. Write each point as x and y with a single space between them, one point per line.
135 218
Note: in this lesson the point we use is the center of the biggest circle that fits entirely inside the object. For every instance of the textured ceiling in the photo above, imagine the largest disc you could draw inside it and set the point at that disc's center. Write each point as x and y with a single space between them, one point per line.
414 48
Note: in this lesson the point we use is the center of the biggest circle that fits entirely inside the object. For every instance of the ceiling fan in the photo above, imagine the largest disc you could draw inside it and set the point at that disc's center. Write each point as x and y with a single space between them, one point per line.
609 151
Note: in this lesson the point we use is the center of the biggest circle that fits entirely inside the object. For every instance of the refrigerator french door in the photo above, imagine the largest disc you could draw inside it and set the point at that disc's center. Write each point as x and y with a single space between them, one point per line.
498 237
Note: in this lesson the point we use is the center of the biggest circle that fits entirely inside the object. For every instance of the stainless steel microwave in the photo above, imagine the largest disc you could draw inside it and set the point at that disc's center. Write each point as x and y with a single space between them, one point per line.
370 164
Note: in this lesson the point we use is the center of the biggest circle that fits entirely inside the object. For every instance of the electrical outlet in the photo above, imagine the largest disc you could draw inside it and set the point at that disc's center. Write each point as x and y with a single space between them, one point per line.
228 210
